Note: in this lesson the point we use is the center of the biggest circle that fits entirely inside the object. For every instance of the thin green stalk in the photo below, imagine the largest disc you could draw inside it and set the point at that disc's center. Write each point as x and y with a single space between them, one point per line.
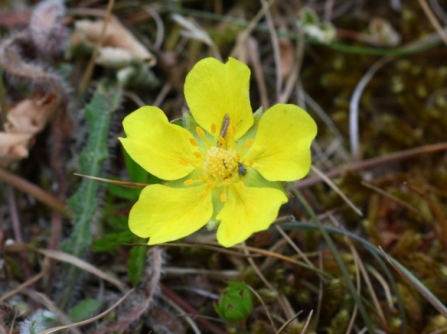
374 251
338 259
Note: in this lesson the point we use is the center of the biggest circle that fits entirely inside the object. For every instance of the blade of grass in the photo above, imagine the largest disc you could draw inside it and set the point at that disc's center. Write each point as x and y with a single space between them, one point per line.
374 251
431 298
338 259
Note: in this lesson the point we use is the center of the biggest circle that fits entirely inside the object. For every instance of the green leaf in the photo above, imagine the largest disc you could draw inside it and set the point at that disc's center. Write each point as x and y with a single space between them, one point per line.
112 241
84 309
136 262
131 194
84 202
235 302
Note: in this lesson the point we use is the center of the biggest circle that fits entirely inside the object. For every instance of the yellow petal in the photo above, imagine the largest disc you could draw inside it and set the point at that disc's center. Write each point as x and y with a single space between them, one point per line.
213 89
163 149
246 211
164 214
281 150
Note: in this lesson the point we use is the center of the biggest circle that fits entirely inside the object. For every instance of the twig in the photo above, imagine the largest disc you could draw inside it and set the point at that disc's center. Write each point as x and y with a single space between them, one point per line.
17 229
336 189
372 163
31 189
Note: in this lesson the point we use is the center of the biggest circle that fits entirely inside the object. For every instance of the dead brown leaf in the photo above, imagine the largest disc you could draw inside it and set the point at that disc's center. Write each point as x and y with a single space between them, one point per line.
31 115
24 120
117 41
13 147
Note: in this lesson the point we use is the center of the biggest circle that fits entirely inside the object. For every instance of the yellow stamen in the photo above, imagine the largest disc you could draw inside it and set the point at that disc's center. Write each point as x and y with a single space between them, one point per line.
213 128
203 194
209 185
250 162
188 182
221 140
200 132
198 155
193 142
223 197
249 143
241 184
203 178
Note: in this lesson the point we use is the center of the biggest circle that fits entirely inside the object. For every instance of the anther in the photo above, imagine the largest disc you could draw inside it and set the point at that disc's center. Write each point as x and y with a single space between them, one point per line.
198 155
213 128
249 143
221 140
188 182
200 132
193 142
241 184
223 197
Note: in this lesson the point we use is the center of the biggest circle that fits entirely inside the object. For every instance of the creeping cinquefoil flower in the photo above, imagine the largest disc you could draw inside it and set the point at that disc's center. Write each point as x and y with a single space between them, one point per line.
225 168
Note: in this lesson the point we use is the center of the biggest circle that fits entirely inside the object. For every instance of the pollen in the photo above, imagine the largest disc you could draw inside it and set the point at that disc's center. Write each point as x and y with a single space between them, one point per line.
213 128
249 143
188 182
220 164
197 155
223 197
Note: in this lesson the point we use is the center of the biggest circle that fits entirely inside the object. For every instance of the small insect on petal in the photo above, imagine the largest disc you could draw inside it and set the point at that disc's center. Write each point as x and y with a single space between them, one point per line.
241 169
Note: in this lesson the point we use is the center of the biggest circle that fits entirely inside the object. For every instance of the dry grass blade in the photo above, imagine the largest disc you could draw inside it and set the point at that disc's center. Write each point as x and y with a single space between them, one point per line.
45 301
263 305
336 189
281 299
33 190
118 183
64 257
306 325
439 216
385 286
283 327
393 198
88 321
188 318
354 105
377 161
23 285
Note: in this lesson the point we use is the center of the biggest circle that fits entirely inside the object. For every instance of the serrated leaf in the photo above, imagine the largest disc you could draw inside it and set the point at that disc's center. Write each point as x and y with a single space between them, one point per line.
136 262
84 309
84 202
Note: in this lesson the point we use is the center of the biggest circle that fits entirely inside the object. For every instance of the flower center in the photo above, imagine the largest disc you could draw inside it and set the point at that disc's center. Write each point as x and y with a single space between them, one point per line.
220 164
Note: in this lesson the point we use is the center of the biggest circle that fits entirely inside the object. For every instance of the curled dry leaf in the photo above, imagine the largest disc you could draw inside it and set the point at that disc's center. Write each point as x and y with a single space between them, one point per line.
31 115
13 147
24 120
118 44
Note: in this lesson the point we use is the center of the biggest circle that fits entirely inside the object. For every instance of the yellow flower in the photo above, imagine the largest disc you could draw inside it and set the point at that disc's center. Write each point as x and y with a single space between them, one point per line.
225 167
